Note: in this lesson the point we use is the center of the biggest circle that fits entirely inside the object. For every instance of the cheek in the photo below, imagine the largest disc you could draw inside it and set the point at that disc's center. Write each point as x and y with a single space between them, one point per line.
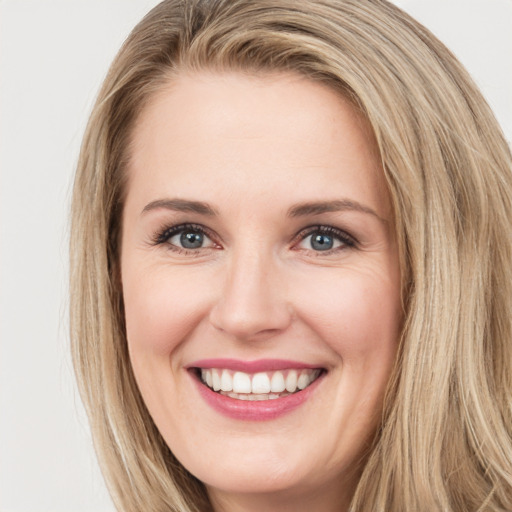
357 313
161 308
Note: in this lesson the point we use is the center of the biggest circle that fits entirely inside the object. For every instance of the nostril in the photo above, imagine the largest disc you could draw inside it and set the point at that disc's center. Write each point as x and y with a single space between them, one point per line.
251 303
244 322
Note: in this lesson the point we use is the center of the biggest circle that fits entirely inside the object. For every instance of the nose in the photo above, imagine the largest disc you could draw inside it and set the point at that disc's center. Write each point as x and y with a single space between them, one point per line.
252 303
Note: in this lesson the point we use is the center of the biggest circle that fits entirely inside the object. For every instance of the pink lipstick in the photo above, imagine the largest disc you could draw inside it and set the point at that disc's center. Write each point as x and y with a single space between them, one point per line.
259 365
255 390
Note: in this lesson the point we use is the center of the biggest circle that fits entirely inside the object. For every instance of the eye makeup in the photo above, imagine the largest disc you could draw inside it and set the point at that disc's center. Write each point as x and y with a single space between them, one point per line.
187 238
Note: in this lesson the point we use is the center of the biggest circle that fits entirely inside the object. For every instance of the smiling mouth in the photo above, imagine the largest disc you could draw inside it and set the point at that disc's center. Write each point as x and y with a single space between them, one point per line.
258 386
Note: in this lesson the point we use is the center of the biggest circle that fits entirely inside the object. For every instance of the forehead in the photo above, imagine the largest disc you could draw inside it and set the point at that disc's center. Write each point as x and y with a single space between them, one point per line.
258 133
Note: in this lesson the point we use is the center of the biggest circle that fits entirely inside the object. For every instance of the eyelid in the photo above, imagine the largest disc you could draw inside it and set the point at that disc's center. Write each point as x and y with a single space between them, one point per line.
346 238
163 235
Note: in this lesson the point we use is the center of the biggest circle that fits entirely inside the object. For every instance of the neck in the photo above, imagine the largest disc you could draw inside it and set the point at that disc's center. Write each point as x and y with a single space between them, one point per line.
333 499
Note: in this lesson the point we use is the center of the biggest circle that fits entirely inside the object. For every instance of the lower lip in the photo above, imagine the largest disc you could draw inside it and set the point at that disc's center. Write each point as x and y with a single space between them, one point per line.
260 410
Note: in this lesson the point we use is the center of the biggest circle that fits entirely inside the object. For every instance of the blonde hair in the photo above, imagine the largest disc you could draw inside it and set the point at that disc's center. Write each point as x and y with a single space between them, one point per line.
445 439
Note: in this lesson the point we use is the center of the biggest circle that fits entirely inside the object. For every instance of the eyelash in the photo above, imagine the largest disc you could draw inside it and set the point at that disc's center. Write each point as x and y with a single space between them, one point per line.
347 240
162 237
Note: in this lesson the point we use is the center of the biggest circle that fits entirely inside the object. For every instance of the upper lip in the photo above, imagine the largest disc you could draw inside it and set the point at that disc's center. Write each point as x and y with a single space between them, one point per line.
259 365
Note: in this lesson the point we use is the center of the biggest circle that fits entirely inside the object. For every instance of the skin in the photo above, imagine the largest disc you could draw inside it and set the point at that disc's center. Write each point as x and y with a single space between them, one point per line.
253 148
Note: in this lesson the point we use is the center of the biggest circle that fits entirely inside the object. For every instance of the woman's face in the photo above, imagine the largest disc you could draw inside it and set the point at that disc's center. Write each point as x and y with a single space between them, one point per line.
260 281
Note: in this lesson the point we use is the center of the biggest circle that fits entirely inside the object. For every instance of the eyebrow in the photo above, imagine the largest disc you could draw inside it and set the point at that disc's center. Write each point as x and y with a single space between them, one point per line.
181 205
317 208
298 210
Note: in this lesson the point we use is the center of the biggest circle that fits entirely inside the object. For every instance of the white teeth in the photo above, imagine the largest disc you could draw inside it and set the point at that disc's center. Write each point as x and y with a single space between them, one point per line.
255 397
303 381
291 381
277 384
260 383
252 397
215 380
241 383
226 382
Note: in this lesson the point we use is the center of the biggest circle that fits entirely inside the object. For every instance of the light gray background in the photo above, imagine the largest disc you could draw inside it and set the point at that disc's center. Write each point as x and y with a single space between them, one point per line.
53 56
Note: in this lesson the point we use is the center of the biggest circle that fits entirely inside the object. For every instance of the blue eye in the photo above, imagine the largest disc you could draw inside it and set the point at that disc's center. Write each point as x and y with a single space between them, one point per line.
186 237
321 242
190 240
324 239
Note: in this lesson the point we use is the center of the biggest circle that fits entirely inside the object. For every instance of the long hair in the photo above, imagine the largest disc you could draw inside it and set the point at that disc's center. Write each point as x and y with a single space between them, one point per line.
445 438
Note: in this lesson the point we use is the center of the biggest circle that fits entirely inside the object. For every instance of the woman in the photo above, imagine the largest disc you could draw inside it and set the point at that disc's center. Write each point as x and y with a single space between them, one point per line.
290 263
